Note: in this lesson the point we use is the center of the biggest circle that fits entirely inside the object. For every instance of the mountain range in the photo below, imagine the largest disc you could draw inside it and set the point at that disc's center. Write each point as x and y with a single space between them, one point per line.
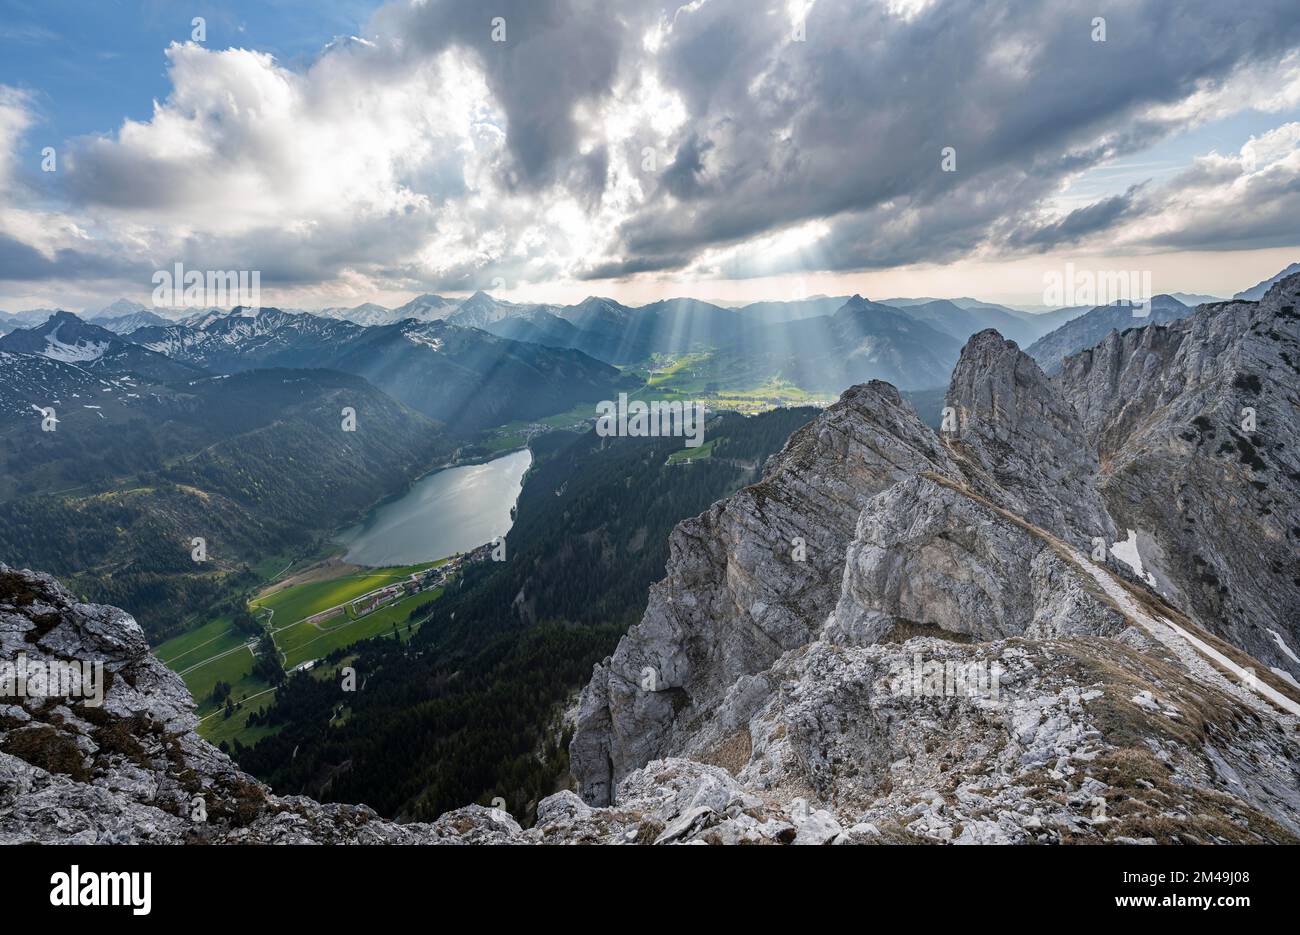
1145 681
463 377
1068 617
752 344
1089 328
254 463
66 338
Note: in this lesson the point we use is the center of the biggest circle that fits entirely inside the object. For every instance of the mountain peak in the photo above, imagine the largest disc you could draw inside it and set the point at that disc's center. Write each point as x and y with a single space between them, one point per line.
117 308
989 341
63 336
854 303
1257 291
1015 424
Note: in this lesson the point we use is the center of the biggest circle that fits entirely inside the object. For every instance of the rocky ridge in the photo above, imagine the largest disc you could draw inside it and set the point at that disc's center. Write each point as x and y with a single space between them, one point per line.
979 544
1091 327
1195 424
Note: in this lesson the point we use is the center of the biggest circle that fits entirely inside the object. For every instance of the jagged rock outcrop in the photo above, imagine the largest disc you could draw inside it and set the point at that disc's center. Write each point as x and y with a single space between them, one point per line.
1093 326
973 556
733 580
1024 441
1196 424
835 753
751 578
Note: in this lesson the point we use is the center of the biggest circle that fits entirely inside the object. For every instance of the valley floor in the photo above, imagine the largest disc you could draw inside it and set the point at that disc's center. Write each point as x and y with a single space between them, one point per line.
323 608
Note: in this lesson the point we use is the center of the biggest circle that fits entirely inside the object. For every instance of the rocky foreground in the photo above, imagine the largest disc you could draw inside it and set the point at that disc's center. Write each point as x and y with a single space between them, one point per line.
896 636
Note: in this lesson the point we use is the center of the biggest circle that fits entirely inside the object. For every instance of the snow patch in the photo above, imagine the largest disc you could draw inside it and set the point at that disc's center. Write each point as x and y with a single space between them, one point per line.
1160 626
1281 644
72 353
433 344
1283 674
1127 552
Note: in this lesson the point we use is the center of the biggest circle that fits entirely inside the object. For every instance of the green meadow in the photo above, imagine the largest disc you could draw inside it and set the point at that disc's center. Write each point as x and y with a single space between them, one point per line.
305 600
303 641
691 454
216 651
204 642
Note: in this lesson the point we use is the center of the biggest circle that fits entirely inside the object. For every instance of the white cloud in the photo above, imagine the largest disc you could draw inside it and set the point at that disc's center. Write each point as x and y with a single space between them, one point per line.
15 118
423 156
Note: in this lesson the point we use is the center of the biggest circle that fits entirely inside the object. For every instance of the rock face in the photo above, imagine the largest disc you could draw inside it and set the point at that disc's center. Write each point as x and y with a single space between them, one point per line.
896 636
1093 326
828 732
132 769
1024 442
983 556
1196 423
749 580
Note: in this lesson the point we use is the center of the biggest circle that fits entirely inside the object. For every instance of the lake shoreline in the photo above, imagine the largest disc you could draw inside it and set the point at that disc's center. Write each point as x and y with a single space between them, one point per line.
453 508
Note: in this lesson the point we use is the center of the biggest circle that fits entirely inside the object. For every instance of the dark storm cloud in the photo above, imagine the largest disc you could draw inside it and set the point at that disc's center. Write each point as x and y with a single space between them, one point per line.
844 123
22 262
1078 224
296 257
618 269
856 117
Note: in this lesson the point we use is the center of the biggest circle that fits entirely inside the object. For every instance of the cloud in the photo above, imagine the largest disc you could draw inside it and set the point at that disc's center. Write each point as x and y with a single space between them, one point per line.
1079 224
733 138
15 118
849 124
1246 200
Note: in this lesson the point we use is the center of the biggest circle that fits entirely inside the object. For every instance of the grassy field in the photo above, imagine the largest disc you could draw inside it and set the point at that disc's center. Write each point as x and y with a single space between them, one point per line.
229 729
692 377
216 636
218 652
300 642
581 413
297 603
691 454
507 442
214 652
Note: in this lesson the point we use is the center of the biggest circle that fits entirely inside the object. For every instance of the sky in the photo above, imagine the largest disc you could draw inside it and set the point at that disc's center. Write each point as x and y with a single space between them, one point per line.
732 150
